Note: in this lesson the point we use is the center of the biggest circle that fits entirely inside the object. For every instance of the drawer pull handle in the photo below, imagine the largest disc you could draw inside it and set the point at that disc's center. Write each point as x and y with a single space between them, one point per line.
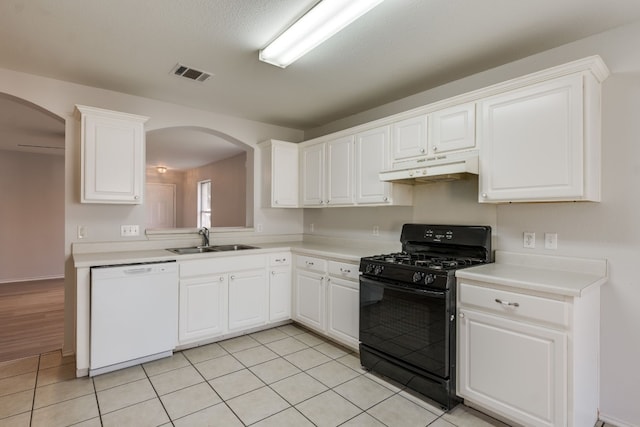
309 263
507 303
280 260
344 270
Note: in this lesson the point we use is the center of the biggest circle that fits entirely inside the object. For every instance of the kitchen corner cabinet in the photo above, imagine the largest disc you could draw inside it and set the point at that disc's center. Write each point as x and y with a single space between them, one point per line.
112 156
527 356
327 298
280 174
541 142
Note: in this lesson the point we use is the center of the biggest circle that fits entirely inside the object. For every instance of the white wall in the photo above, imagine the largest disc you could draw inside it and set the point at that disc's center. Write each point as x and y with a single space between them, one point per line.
31 216
103 221
610 229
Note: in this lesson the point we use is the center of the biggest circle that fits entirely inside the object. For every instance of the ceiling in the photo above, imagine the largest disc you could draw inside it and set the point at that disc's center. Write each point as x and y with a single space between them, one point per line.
399 48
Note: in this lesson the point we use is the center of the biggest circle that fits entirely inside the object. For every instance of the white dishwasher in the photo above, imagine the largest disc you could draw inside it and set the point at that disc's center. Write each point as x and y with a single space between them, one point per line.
134 314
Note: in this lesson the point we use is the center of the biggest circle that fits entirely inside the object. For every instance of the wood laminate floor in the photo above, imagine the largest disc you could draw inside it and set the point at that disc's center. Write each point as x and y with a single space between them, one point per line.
31 318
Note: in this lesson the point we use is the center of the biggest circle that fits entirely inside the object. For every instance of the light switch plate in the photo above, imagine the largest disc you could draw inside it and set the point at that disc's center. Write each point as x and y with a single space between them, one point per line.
529 240
551 240
129 230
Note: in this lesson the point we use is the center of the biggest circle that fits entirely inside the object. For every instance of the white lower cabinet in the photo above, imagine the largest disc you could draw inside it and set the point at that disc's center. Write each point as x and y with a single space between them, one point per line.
280 287
327 298
529 358
223 295
344 308
310 299
248 293
203 308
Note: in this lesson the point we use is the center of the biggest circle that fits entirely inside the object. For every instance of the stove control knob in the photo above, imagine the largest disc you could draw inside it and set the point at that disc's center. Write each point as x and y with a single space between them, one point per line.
417 277
368 268
378 269
429 279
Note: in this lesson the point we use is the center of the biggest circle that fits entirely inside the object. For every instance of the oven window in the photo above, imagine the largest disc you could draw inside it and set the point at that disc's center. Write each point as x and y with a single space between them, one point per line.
406 325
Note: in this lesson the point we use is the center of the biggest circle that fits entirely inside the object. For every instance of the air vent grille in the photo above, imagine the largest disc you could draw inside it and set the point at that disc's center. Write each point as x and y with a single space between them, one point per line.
190 73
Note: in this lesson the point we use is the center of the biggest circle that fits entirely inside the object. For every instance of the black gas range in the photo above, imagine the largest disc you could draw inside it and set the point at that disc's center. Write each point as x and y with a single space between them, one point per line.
407 306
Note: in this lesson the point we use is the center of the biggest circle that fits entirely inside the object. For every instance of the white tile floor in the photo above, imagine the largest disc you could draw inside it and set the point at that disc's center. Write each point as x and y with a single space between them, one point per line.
280 377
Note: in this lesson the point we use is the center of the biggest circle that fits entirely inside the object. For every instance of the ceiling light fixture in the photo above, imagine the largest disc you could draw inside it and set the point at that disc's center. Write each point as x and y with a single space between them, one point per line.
320 23
161 169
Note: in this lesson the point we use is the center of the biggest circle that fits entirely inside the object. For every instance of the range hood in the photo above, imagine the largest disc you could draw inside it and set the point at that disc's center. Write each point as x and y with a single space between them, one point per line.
441 167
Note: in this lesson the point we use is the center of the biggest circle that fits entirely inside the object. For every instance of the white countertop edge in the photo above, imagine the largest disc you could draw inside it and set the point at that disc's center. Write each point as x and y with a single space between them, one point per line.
563 276
325 249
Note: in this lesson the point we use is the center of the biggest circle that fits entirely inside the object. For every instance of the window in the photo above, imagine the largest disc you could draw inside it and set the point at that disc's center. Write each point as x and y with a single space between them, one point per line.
204 203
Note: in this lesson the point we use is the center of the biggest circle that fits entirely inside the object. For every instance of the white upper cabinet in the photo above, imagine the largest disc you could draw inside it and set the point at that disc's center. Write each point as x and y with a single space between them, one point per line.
113 159
328 173
339 185
280 169
452 129
313 170
410 137
541 142
372 148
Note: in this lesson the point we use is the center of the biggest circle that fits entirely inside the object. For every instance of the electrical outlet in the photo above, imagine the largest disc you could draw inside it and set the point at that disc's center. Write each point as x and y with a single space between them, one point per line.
529 240
82 231
551 240
129 230
259 228
376 230
312 227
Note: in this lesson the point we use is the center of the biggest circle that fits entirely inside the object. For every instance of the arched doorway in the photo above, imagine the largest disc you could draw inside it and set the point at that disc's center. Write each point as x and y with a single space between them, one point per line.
32 146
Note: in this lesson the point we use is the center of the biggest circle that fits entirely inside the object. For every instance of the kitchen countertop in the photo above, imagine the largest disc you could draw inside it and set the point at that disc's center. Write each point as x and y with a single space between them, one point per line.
564 276
324 249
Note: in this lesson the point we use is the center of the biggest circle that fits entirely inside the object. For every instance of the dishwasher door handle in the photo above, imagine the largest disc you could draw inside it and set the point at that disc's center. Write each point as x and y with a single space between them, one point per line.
140 270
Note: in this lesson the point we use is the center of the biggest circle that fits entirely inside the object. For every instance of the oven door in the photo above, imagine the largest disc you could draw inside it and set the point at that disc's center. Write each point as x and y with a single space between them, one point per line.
406 324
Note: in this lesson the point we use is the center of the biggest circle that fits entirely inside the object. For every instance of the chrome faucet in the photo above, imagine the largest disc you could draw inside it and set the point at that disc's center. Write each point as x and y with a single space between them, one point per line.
205 236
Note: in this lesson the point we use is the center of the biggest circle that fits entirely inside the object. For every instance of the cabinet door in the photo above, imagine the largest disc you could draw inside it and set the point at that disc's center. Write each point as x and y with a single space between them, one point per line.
313 164
203 305
343 311
372 156
340 171
410 138
279 293
515 369
310 299
532 143
453 129
112 156
284 175
247 299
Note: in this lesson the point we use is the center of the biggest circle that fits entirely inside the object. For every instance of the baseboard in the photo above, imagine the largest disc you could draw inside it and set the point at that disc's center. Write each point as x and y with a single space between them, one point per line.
614 422
32 279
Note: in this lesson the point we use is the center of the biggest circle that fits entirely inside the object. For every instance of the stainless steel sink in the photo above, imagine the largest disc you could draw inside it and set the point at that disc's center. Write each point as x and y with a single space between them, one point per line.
191 250
224 248
215 248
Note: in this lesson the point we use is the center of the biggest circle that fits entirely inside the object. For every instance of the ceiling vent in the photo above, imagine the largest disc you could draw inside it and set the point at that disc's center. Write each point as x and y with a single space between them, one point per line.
190 73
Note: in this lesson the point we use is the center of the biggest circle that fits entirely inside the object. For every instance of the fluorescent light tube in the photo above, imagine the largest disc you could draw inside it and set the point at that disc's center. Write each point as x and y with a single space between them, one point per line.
324 20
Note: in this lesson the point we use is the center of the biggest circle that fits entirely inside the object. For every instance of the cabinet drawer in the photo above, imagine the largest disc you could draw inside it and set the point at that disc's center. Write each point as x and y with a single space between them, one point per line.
343 270
515 305
217 265
311 263
280 259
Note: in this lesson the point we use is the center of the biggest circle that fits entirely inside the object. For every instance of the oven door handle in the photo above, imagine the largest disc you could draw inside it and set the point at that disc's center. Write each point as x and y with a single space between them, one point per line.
406 289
